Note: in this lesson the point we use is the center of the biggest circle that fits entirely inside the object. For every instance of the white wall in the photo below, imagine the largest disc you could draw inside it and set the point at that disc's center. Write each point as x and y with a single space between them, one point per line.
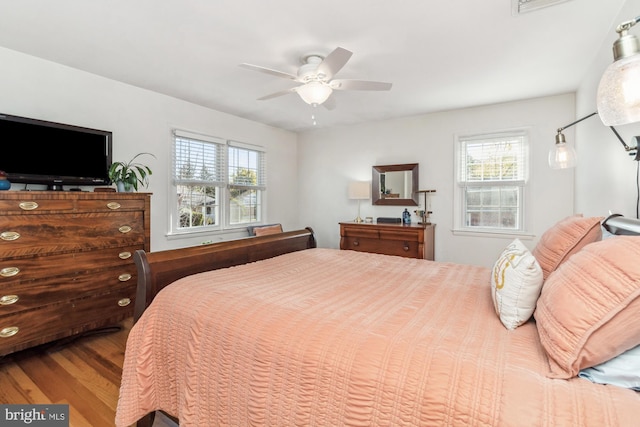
605 176
316 165
329 159
141 121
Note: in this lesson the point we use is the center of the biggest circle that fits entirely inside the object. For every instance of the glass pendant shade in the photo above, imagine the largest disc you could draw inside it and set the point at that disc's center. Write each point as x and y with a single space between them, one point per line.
618 95
562 156
619 92
314 93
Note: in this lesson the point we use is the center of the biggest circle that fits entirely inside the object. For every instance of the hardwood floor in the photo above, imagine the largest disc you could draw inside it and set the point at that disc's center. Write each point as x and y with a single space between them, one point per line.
84 373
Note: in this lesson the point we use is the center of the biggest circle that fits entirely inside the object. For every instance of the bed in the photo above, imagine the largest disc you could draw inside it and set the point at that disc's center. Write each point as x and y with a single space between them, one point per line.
273 331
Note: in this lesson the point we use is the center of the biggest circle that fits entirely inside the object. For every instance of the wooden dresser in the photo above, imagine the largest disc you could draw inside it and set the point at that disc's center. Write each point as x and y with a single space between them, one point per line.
66 262
412 241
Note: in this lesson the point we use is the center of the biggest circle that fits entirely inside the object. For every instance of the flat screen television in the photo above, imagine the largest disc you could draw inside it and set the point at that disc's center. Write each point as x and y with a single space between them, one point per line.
53 154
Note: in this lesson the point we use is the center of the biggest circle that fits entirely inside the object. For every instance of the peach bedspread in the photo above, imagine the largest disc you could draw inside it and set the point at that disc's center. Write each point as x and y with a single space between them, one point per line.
324 337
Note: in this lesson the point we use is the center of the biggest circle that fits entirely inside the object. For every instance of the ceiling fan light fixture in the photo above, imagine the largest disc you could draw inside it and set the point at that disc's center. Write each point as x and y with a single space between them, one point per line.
314 93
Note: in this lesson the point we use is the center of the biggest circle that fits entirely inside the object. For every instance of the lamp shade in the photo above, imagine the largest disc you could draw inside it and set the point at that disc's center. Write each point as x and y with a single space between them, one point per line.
314 92
359 190
619 92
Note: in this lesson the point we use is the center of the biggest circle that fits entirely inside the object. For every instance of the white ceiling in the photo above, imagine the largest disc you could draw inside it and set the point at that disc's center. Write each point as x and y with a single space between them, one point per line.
439 55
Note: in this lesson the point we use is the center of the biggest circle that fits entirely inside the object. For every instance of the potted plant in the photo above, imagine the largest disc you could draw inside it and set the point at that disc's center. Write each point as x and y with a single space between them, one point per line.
128 175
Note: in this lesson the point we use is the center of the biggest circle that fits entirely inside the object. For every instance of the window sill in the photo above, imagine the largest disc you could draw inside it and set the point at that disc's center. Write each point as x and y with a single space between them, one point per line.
239 231
522 235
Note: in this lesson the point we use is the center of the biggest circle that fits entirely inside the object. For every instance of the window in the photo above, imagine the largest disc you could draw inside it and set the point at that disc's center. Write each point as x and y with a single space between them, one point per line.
218 183
246 183
491 181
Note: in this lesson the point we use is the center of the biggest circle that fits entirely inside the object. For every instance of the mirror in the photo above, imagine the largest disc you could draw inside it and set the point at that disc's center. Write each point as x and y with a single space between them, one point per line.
395 185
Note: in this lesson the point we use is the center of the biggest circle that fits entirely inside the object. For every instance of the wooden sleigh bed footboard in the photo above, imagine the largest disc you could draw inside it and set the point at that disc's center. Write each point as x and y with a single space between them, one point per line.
156 270
159 269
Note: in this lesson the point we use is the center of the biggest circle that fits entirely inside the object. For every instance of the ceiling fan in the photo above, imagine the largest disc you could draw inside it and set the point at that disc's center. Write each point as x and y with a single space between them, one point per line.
316 78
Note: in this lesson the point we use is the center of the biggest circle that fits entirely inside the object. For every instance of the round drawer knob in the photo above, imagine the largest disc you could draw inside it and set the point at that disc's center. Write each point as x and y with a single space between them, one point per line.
124 302
124 255
356 243
113 205
406 247
8 331
9 299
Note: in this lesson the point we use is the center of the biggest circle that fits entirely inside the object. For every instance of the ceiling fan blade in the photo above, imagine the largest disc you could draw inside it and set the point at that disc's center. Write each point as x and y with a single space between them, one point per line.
333 62
277 94
265 70
341 84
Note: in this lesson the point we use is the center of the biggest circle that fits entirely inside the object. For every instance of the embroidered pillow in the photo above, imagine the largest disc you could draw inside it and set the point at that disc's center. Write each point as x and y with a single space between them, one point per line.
516 281
589 307
564 239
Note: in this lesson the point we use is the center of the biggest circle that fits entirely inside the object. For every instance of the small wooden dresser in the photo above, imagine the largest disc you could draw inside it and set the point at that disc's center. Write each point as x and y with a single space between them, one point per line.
411 241
66 262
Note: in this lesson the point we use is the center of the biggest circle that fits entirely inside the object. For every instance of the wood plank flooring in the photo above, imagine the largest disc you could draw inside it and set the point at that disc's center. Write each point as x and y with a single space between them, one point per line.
84 373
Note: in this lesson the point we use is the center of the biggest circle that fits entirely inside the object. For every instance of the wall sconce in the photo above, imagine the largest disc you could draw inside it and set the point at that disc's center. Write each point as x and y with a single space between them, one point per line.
359 190
562 156
619 89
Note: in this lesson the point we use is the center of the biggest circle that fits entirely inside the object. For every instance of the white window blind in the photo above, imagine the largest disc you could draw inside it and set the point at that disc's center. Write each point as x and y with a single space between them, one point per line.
493 158
199 159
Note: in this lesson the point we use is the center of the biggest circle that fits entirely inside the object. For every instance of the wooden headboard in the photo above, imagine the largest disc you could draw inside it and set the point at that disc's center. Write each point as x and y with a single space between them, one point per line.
159 269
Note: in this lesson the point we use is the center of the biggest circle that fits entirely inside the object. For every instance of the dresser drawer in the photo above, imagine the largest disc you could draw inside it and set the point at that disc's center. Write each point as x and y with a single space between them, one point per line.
111 205
31 294
34 205
44 234
370 233
409 236
28 328
20 270
399 248
404 248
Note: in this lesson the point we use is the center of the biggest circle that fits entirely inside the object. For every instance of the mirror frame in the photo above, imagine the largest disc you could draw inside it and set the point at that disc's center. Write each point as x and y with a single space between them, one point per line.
375 184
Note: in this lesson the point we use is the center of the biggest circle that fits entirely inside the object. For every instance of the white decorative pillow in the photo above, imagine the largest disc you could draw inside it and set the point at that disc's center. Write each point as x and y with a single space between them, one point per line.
516 281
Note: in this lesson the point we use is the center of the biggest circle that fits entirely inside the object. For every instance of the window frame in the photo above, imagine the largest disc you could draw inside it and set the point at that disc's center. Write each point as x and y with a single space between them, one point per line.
221 183
462 184
260 186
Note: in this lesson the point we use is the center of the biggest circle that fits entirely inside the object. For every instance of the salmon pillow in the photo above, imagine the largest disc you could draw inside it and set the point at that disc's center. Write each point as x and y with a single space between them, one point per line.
268 229
564 239
516 280
589 307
